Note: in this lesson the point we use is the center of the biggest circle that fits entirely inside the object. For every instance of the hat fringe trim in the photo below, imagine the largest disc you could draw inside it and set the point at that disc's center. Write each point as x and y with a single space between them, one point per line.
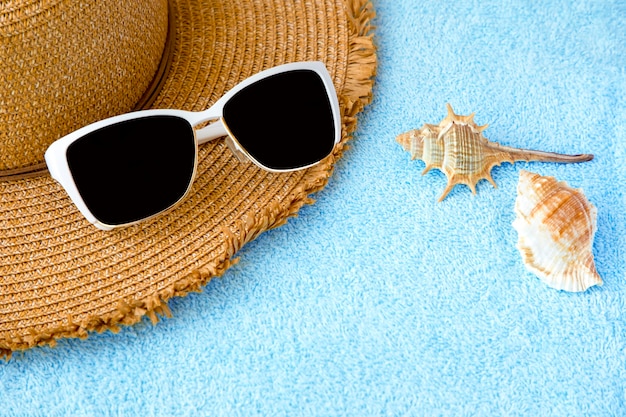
355 95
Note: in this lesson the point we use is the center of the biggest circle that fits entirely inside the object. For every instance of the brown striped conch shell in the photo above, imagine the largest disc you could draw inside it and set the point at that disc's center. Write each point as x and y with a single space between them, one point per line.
457 147
555 225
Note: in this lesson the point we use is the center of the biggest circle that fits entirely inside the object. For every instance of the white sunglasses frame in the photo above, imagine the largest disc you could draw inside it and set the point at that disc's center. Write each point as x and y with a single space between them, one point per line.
59 169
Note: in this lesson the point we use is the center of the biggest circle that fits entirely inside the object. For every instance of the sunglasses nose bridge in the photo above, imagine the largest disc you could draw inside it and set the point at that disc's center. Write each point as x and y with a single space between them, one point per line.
210 132
240 155
216 130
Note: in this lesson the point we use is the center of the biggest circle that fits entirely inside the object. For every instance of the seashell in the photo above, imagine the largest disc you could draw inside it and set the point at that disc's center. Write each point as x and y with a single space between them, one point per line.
457 147
556 225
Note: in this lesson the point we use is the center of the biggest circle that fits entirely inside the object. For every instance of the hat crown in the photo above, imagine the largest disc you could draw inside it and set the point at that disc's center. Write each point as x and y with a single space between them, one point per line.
66 64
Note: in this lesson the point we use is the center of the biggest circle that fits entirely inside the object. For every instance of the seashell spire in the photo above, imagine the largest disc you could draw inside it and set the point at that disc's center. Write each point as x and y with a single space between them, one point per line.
457 147
556 225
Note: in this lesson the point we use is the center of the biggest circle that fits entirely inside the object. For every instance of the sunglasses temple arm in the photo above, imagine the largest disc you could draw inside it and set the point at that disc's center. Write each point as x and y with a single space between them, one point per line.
210 132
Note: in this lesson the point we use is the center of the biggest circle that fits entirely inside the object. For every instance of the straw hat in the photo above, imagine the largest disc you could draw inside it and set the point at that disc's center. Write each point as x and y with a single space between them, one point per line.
66 64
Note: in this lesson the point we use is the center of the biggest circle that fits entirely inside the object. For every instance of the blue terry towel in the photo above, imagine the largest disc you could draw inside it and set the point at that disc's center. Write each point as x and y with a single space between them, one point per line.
377 300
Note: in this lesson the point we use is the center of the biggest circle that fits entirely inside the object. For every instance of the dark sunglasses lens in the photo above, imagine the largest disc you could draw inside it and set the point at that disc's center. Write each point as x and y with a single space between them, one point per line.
134 169
284 121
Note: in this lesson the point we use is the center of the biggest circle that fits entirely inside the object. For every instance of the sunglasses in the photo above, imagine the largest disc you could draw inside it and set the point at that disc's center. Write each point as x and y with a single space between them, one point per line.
129 168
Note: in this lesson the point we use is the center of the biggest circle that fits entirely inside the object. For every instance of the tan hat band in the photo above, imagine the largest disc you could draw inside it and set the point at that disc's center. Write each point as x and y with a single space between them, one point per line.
151 93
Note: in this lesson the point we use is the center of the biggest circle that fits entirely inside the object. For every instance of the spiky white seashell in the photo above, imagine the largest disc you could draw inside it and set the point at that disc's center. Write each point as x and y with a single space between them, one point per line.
457 147
556 226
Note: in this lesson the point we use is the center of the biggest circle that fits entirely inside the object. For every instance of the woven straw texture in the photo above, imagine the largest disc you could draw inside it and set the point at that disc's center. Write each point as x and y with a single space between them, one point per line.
61 277
65 65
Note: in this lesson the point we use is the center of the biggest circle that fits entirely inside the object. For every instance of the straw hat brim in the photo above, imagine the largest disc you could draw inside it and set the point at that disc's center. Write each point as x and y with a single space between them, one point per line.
62 277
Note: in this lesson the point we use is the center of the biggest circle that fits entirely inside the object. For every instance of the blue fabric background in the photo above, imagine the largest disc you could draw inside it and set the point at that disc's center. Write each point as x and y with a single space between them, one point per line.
376 300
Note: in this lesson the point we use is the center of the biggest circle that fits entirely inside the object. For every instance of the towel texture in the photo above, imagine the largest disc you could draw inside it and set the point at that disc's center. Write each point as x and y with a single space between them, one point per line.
377 300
